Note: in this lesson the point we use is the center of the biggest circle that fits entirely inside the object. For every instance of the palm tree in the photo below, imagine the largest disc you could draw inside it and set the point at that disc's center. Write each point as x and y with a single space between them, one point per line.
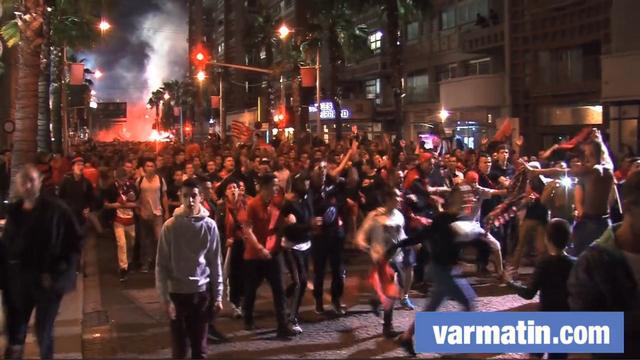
180 94
260 37
25 31
397 13
333 21
72 26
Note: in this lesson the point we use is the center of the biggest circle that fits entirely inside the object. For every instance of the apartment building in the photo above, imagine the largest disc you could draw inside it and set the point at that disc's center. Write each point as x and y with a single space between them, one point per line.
551 66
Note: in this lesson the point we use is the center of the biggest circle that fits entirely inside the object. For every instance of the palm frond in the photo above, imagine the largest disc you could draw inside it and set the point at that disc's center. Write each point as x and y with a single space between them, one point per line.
11 33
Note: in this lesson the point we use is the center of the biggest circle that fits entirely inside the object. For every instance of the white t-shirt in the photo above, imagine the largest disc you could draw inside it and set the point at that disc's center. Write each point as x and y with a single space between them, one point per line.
150 199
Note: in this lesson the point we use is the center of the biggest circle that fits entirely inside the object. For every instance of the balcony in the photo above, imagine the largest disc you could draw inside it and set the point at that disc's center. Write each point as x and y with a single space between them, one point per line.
479 40
620 78
477 91
364 69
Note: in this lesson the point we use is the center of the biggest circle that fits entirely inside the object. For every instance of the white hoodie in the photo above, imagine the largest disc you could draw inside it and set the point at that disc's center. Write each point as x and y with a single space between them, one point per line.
188 256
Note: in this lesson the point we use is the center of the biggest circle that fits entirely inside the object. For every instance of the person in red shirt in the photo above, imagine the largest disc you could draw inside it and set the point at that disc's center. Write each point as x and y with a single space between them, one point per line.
262 255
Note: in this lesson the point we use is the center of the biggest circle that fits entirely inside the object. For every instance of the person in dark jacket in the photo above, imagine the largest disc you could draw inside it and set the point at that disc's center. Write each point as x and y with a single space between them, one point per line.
40 248
606 276
77 192
297 213
551 273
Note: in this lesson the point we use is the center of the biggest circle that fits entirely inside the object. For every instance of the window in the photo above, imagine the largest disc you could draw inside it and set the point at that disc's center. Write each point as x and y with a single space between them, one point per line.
417 87
479 67
276 10
372 90
448 18
561 65
288 3
413 31
465 13
263 53
221 48
375 41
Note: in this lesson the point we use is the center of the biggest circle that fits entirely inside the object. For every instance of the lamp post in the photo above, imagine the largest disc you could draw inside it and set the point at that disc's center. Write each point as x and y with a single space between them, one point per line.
283 33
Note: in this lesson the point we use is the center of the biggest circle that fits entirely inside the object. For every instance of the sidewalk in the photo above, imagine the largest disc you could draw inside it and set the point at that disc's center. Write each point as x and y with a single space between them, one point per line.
68 328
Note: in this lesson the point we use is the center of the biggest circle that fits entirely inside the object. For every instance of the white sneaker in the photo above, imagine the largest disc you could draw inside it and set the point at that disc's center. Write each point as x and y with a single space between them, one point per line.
295 327
236 312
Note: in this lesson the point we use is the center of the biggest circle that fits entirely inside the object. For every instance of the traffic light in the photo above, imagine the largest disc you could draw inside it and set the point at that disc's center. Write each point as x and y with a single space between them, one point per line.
281 117
200 57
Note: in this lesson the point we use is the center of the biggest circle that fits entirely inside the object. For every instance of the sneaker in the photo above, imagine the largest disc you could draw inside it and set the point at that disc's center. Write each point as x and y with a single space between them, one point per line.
236 312
144 269
214 334
406 303
407 345
339 309
123 275
249 326
295 327
285 333
319 308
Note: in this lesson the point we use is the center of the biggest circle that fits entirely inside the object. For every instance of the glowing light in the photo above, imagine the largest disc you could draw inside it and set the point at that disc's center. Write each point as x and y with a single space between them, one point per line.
201 76
149 106
284 31
444 114
167 96
161 136
596 108
93 104
566 182
104 25
98 74
200 56
93 93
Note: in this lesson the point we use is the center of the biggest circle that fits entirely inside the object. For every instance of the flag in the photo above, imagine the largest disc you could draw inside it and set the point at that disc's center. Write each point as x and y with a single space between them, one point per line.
241 131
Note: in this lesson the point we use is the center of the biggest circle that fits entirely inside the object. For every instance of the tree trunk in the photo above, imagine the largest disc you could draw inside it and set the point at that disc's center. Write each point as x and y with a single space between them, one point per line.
44 112
26 104
395 61
57 69
334 46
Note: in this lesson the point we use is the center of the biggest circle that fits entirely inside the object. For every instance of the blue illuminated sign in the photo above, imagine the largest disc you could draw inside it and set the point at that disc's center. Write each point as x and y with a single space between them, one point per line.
328 112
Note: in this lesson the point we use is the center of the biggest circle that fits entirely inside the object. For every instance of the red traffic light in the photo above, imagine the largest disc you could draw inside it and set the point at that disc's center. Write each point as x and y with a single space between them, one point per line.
200 56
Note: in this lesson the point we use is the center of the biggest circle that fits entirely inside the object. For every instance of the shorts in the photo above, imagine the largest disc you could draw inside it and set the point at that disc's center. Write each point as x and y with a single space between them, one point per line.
406 257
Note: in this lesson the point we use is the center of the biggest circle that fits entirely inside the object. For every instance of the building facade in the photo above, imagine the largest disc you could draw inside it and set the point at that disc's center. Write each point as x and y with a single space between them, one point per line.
551 67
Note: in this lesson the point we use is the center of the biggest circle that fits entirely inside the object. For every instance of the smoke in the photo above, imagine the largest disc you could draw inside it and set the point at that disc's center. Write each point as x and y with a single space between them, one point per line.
147 46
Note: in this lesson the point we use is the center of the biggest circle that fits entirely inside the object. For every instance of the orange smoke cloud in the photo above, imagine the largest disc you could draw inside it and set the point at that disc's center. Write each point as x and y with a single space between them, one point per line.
138 126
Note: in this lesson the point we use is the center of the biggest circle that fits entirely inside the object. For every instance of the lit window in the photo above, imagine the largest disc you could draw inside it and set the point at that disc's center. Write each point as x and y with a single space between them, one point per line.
479 67
372 90
221 48
375 41
448 18
413 31
417 86
263 53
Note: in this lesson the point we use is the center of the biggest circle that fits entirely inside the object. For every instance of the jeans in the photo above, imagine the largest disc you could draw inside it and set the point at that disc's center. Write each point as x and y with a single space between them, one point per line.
445 285
236 272
20 301
149 236
193 312
531 231
125 239
299 261
328 248
586 231
255 272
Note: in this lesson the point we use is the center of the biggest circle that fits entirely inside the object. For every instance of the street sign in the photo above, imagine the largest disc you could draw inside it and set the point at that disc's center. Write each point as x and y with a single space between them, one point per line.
111 110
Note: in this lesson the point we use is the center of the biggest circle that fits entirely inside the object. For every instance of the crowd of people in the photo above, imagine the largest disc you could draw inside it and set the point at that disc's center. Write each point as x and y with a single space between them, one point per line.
213 219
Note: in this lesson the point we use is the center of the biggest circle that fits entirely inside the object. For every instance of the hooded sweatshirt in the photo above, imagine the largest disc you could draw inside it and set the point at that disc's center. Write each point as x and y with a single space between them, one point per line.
188 257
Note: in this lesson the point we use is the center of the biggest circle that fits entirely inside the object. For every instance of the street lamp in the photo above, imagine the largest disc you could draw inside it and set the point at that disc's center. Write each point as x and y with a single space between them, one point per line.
104 25
98 74
284 31
167 96
201 76
444 114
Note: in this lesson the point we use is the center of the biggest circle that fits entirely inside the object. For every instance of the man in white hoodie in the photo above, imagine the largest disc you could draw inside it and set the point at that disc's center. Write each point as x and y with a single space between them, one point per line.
189 272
